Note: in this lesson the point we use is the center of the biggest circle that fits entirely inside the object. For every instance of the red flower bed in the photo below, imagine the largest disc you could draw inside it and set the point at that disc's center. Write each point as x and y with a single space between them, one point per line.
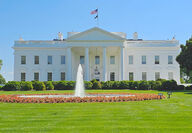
136 97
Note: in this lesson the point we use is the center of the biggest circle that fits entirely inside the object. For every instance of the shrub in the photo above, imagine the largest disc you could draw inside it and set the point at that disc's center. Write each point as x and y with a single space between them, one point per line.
54 83
161 80
102 82
107 85
188 87
124 84
39 86
154 85
61 85
1 88
134 84
88 84
158 85
49 85
120 84
180 87
96 84
2 79
116 85
70 85
169 85
11 86
143 85
26 86
182 80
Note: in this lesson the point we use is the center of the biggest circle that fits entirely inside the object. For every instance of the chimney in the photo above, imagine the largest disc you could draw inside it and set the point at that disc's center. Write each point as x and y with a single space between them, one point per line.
135 36
21 39
173 38
60 36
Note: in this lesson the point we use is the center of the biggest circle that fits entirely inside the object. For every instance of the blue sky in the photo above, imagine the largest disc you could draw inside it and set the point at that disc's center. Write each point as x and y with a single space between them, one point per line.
43 19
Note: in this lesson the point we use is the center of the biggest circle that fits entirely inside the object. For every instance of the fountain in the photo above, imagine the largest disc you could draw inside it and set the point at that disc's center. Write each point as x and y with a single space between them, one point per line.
79 95
79 87
79 90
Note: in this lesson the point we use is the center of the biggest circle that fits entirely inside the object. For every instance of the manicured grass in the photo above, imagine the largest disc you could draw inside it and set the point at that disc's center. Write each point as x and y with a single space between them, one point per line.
157 116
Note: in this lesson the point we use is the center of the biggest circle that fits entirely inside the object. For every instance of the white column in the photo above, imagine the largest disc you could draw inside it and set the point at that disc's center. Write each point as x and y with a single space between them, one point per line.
87 64
69 67
122 62
104 65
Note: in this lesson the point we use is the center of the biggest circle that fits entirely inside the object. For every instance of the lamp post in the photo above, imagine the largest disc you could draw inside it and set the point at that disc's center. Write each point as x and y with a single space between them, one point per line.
160 94
169 94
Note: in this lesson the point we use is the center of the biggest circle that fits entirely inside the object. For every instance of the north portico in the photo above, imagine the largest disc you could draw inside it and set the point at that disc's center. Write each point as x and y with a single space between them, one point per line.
93 58
104 56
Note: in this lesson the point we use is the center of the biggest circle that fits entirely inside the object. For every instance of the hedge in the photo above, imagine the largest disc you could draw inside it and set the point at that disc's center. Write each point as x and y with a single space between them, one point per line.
49 85
11 86
38 86
96 84
188 88
26 86
88 85
161 84
169 85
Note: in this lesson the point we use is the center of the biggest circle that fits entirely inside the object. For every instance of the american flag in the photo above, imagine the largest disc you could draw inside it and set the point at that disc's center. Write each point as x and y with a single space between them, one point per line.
94 11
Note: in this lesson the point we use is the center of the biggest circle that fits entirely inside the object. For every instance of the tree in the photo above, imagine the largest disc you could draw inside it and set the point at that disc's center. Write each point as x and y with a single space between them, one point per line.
2 80
185 59
1 63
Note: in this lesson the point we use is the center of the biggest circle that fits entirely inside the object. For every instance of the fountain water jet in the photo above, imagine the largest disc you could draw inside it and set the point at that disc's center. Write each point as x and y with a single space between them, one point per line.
79 87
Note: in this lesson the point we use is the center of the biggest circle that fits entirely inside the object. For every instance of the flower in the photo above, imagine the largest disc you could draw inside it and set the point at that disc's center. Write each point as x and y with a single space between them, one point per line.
133 97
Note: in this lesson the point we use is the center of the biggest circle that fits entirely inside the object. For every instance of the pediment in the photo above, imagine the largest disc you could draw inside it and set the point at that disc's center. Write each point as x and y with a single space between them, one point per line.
95 34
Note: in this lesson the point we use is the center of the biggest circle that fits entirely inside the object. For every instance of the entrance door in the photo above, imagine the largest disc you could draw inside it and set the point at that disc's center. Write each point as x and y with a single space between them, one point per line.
97 74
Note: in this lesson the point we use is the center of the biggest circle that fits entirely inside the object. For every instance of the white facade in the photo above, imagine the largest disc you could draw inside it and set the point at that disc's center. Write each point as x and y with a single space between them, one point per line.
117 58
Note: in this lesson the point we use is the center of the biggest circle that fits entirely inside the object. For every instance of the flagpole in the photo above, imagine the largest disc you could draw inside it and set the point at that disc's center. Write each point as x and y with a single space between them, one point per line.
97 17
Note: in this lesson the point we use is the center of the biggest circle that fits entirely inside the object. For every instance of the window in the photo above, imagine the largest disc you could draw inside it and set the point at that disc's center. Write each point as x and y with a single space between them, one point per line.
157 75
112 76
130 59
112 59
62 59
170 59
49 76
97 60
62 75
23 59
131 76
49 60
143 60
23 76
144 75
82 59
170 75
156 59
36 76
36 61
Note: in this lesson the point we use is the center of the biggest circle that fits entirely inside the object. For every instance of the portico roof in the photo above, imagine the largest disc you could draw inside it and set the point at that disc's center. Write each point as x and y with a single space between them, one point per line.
96 33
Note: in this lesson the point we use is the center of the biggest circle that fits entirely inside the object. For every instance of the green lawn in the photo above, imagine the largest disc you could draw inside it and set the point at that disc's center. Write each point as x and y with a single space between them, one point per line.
157 116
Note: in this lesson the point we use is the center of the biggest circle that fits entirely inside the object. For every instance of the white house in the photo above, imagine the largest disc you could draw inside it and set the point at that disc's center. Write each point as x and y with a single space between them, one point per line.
104 56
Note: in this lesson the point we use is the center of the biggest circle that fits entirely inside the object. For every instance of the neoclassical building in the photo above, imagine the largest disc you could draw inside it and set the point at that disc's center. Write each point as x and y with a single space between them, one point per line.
104 56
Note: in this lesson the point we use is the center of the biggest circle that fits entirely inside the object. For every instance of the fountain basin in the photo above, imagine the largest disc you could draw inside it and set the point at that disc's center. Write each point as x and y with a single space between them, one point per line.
68 96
